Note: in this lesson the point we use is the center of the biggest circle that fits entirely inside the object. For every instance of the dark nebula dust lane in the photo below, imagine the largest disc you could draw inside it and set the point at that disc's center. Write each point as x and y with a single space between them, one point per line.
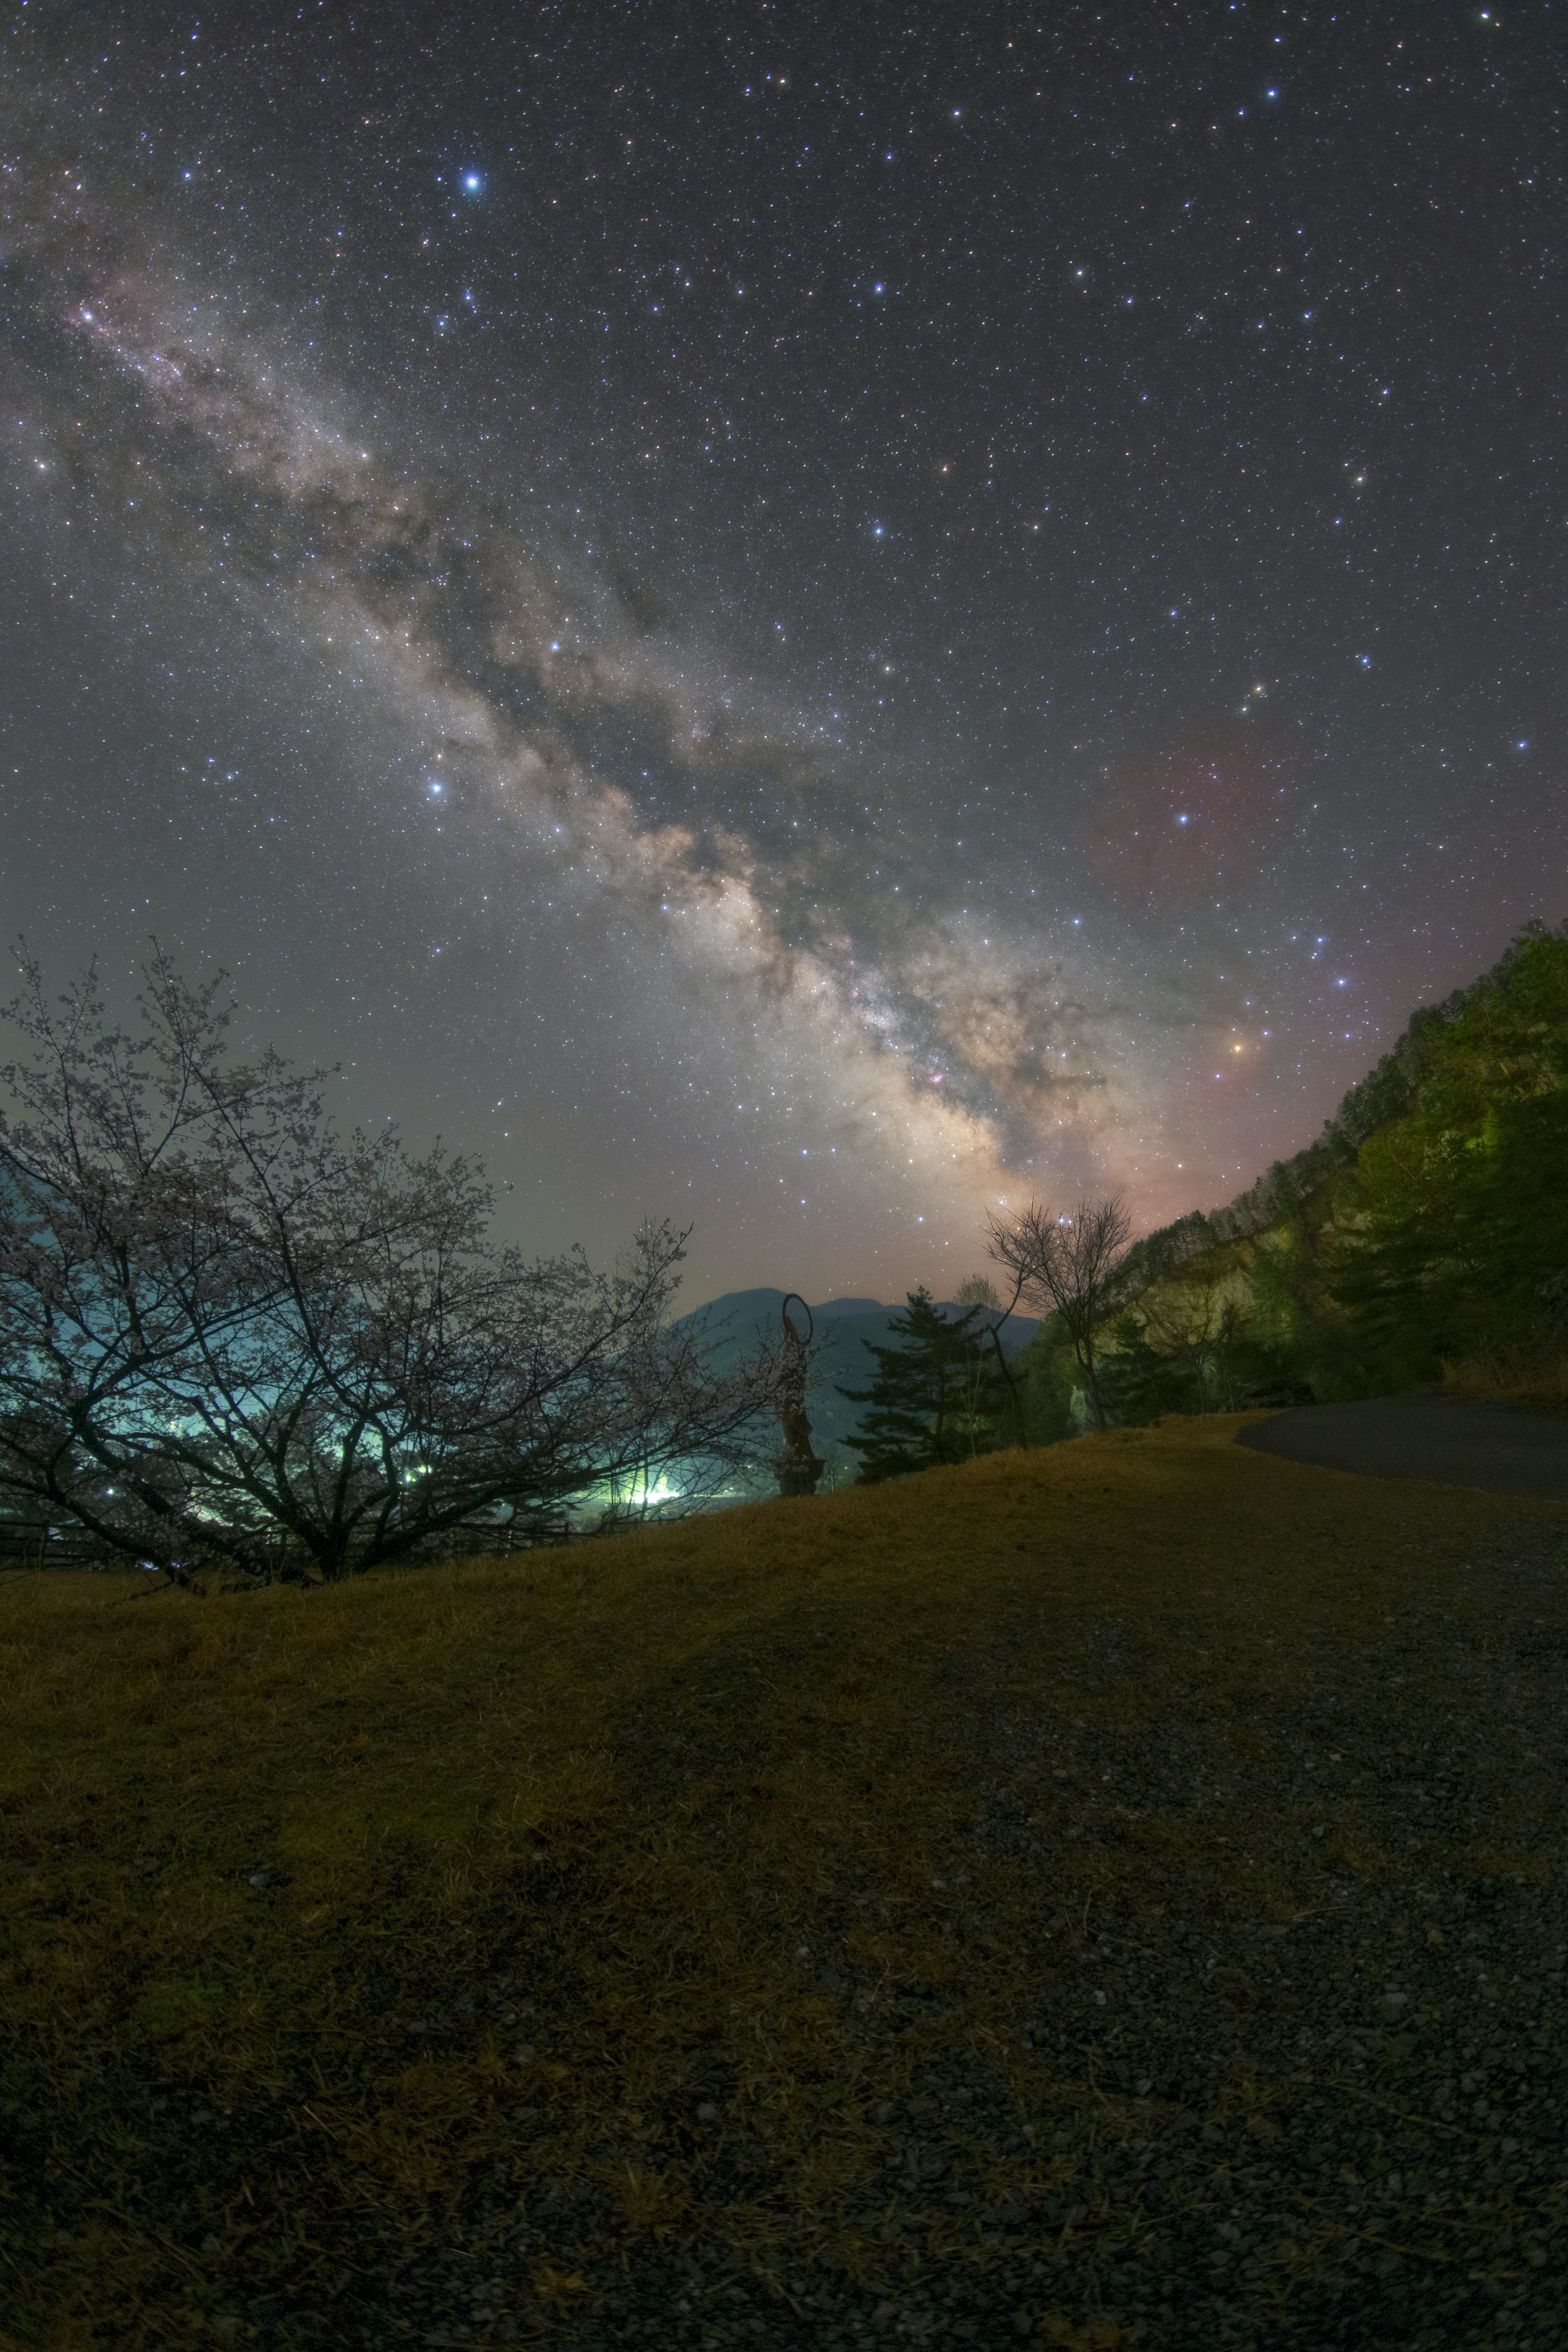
813 625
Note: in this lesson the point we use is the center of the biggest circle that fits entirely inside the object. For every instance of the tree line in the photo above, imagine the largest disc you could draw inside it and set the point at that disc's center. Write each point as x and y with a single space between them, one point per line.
945 1390
233 1338
1426 1239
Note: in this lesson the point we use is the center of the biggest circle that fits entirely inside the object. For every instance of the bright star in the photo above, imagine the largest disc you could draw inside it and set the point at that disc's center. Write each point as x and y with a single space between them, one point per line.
472 182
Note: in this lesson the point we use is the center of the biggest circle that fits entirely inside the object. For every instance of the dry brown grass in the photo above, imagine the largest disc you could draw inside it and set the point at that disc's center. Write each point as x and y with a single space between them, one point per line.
575 1917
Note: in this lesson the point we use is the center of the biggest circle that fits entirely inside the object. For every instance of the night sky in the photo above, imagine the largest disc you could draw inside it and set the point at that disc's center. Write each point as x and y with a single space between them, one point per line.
811 618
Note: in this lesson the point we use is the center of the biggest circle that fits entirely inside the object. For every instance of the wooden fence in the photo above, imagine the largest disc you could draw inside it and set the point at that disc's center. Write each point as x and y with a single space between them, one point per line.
24 1546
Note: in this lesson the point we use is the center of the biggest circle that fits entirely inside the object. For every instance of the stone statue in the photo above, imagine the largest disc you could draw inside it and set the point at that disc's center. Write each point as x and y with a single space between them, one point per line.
796 1467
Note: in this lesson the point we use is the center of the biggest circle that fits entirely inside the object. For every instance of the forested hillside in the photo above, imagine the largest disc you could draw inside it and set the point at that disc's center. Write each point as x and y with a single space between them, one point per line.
1422 1239
1424 1236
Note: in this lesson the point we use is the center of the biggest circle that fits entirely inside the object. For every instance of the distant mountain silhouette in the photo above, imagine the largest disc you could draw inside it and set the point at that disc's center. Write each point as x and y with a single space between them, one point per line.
735 1322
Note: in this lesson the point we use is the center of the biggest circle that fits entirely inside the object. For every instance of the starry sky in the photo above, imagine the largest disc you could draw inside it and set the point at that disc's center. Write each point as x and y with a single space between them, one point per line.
811 618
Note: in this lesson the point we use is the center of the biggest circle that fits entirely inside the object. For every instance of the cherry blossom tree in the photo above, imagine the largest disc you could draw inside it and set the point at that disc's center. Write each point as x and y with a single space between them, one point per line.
233 1337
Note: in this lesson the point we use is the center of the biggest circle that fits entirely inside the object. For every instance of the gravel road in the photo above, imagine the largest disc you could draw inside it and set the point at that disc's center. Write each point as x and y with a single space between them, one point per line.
1444 1441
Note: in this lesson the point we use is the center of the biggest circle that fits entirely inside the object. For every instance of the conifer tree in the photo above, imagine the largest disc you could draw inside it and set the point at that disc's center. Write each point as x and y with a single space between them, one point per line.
932 1398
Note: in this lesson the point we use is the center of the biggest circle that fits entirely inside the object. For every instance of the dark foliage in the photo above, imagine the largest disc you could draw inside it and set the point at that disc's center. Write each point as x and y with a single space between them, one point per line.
936 1395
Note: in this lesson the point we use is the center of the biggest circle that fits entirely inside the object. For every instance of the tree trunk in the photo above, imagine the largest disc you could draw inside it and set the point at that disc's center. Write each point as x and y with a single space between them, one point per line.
1012 1390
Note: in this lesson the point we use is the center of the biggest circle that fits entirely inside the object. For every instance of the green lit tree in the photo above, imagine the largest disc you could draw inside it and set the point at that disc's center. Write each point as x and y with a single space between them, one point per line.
1461 1214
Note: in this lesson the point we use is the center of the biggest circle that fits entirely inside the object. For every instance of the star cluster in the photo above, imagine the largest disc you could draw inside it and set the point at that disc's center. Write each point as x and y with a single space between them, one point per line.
811 620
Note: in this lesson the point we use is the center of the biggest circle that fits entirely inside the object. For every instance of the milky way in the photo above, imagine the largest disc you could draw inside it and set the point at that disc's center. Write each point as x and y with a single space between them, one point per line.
810 630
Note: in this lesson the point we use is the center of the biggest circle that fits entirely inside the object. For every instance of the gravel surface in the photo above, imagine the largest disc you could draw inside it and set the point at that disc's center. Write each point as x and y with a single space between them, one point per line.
1233 2012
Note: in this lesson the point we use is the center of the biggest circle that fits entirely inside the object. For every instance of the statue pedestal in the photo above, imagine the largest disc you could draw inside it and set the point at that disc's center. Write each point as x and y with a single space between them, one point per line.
797 1474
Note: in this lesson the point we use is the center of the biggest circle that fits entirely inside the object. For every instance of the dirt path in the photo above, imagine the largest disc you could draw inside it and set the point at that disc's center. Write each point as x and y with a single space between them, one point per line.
1443 1441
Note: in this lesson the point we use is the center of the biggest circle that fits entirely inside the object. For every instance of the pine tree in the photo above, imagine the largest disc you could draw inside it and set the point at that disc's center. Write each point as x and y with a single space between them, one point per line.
932 1399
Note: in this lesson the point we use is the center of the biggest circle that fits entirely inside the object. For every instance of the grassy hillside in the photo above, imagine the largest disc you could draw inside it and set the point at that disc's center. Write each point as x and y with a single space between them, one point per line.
1108 1894
1424 1237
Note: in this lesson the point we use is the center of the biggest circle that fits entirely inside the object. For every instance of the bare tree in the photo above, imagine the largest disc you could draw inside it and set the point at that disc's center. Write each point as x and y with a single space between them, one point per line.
1190 1322
1066 1267
231 1337
978 1291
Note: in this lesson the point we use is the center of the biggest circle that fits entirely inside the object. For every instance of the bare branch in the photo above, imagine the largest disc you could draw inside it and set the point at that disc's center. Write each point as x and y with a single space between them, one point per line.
229 1334
1066 1267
